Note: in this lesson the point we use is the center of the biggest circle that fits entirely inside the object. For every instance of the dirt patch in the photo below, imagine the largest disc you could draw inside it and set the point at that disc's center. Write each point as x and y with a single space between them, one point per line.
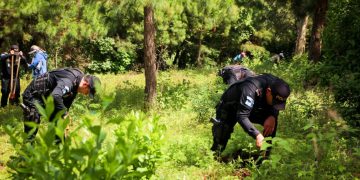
2 167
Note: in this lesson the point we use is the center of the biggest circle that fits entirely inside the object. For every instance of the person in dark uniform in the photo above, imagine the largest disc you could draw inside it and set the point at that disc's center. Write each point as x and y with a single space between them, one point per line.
63 85
258 100
10 63
232 73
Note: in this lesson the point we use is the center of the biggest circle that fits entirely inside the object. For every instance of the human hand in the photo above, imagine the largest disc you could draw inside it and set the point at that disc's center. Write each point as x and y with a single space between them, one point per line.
12 52
20 53
259 140
269 126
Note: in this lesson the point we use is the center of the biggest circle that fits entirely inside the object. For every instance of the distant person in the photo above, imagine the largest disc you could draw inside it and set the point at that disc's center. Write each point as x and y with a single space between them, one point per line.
258 100
10 80
232 73
277 57
39 61
63 85
240 57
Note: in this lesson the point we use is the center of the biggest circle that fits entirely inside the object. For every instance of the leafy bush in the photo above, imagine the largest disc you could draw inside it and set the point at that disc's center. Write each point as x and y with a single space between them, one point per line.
172 95
258 52
109 56
86 153
341 51
205 99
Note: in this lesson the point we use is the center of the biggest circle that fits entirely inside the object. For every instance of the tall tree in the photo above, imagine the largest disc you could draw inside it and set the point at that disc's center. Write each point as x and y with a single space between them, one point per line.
301 10
149 56
317 28
202 17
301 34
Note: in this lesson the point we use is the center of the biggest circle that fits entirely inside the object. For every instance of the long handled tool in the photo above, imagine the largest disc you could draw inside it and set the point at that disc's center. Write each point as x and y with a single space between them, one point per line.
13 90
11 73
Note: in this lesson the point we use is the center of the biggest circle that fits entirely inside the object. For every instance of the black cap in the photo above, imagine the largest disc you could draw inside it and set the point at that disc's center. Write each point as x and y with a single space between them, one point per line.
280 91
94 83
14 46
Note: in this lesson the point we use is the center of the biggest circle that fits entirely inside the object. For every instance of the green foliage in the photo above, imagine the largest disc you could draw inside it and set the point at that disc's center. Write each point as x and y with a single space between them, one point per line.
171 95
205 98
194 154
257 51
340 70
107 56
86 153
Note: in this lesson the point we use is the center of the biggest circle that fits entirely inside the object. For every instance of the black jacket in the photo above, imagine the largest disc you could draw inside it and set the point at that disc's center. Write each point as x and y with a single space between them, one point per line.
249 96
61 84
6 64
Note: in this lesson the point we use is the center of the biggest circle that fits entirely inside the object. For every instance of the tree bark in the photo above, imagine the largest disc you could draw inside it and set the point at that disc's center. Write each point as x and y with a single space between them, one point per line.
149 57
301 35
318 25
198 56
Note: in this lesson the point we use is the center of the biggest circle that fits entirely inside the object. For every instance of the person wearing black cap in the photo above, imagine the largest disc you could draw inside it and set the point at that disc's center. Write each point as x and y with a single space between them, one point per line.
258 100
63 85
10 64
232 73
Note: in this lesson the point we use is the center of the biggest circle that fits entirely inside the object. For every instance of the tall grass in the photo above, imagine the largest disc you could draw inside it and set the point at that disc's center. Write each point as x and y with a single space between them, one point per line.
312 139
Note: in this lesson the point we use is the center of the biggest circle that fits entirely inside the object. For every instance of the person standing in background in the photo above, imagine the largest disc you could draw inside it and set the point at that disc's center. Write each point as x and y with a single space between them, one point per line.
10 81
39 61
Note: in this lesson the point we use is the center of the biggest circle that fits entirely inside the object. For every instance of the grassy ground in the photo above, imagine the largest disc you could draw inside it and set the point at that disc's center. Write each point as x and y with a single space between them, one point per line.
186 100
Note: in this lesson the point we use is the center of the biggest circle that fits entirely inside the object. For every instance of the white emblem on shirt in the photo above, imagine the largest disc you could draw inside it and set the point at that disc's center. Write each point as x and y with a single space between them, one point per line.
65 90
249 101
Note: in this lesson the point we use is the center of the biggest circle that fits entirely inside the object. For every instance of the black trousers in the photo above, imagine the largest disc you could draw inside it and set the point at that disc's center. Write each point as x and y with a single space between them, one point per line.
32 114
226 116
5 91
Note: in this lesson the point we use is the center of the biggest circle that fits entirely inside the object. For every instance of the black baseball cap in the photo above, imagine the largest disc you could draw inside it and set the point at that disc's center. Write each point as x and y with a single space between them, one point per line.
280 91
94 83
14 46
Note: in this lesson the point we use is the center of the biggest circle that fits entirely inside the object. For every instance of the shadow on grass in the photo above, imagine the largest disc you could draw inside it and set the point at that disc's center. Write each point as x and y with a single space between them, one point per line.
128 98
247 158
10 115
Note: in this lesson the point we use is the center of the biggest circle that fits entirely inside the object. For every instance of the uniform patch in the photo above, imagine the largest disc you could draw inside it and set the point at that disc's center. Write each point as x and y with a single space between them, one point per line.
249 101
65 90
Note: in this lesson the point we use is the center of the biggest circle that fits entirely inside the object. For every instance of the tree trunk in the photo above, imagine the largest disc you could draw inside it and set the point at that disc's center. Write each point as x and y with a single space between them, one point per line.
198 56
318 25
301 35
149 57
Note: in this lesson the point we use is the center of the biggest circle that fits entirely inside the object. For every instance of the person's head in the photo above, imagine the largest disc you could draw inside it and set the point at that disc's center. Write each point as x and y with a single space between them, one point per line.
88 85
34 48
14 48
277 93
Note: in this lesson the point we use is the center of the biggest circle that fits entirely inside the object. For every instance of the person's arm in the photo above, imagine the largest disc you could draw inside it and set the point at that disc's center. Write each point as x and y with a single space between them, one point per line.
23 61
35 62
237 57
270 122
63 89
247 100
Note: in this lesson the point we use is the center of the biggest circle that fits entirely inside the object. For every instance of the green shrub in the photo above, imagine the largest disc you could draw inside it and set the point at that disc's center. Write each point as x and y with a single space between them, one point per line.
110 57
87 153
172 95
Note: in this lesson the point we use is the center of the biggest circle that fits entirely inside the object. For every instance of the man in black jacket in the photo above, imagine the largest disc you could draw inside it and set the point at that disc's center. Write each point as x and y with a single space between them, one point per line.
255 100
9 64
63 85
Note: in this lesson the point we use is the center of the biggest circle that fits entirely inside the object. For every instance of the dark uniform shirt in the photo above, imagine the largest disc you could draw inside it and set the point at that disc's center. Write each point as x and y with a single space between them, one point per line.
249 96
62 84
6 64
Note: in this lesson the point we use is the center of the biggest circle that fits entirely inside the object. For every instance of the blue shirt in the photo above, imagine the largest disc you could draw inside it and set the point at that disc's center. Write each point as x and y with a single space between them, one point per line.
39 64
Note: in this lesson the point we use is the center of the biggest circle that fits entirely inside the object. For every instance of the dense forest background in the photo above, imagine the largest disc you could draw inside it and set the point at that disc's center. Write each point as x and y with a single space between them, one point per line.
108 36
319 38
